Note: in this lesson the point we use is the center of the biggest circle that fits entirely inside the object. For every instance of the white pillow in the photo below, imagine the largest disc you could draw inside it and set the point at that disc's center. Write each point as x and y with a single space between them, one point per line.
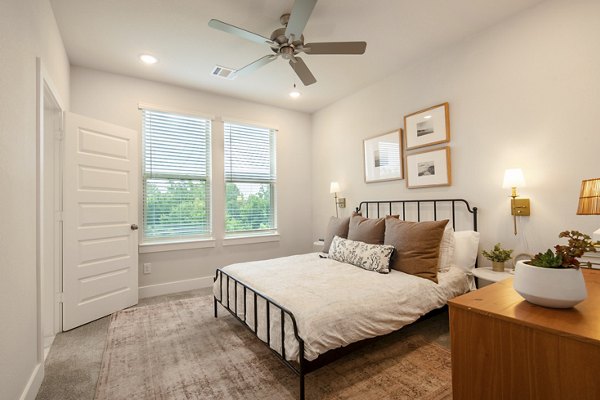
466 249
446 256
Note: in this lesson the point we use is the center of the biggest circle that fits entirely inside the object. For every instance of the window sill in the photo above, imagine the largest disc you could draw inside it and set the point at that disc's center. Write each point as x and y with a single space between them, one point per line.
250 239
173 246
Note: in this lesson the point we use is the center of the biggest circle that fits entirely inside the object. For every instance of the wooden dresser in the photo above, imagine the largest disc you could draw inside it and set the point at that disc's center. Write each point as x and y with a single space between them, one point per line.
506 348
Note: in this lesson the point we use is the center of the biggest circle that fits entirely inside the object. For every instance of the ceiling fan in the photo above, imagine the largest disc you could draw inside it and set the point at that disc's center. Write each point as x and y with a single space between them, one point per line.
288 42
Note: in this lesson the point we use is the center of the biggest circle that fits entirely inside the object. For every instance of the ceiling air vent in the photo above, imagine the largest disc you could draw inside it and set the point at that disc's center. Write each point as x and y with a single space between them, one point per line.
223 72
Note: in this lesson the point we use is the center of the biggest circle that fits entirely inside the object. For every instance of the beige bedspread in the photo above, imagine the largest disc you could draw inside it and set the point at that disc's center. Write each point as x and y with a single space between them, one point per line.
334 303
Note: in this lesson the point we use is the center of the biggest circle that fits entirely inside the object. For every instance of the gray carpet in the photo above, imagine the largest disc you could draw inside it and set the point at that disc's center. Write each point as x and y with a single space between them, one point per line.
73 365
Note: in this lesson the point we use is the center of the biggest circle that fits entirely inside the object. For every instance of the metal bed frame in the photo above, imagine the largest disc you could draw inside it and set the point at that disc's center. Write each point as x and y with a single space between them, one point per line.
303 366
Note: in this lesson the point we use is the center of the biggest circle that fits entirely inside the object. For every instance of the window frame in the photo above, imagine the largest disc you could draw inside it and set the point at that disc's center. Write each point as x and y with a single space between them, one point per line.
254 235
166 243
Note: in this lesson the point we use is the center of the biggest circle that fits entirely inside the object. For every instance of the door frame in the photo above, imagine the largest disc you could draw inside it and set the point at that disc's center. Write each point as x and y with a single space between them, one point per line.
46 91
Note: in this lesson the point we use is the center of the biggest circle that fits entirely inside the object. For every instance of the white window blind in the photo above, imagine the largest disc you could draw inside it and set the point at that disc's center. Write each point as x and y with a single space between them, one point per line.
250 179
176 171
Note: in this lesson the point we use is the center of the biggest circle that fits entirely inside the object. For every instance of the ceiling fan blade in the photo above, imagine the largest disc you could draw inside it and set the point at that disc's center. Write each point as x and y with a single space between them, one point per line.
335 48
244 34
302 71
253 66
299 17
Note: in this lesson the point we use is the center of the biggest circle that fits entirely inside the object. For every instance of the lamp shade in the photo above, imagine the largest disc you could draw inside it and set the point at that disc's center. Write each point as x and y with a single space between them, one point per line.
334 187
589 197
513 178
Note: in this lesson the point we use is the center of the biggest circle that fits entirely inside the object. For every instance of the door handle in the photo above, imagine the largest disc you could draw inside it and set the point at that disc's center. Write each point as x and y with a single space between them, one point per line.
134 227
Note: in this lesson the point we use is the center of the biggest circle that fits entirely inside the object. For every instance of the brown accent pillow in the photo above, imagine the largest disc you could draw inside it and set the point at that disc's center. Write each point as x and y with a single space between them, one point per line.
366 230
417 246
335 227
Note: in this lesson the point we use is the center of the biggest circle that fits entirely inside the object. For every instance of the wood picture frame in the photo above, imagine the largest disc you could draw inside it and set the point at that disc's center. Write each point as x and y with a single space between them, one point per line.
427 127
429 168
382 157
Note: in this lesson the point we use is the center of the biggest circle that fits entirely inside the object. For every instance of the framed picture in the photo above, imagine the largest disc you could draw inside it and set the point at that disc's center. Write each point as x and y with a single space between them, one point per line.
428 168
427 127
383 161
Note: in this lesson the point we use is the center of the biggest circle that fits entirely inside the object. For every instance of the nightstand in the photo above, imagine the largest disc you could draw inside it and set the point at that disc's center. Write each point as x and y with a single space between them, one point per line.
318 245
506 348
593 258
489 275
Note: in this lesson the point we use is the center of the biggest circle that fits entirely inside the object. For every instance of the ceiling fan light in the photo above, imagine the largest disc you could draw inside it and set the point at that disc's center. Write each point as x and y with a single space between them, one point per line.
148 59
294 94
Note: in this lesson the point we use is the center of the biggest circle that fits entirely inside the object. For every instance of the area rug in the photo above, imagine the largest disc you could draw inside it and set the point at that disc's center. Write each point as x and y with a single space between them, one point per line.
178 350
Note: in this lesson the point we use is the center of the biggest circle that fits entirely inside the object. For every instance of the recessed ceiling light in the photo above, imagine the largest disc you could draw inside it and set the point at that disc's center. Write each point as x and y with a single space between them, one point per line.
427 116
148 59
294 94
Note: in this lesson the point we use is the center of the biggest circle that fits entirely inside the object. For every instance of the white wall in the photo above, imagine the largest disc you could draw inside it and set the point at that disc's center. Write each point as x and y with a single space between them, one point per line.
27 30
115 98
522 94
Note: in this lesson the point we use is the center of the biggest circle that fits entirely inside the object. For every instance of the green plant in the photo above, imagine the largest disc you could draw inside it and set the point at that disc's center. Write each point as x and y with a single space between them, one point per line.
565 256
547 260
497 254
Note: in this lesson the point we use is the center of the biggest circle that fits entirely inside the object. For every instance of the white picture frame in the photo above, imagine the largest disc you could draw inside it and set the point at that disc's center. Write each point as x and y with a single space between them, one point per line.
427 127
383 157
428 168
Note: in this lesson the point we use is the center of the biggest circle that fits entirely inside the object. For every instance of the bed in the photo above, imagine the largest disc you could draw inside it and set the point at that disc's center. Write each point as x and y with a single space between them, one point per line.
306 308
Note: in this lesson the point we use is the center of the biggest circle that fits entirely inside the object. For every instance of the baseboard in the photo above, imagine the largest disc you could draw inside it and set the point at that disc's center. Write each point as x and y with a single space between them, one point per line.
33 385
175 287
48 340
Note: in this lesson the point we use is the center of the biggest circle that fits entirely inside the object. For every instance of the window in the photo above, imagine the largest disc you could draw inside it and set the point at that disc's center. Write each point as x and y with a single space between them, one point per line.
249 179
176 171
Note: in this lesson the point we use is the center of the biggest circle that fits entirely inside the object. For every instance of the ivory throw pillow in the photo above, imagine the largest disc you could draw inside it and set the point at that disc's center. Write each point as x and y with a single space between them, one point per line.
446 249
371 257
367 230
466 249
417 246
336 227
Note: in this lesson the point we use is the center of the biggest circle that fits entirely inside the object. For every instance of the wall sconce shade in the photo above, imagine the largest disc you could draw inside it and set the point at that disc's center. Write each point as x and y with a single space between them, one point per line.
334 187
513 178
589 197
340 202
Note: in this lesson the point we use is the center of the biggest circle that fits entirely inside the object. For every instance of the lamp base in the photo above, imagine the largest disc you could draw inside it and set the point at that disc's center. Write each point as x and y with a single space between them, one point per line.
596 238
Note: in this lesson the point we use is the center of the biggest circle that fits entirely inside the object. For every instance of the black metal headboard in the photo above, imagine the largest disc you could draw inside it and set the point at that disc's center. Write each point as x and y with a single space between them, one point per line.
418 209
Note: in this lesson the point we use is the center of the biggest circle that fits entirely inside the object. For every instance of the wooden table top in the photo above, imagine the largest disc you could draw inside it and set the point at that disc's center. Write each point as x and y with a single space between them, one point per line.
500 300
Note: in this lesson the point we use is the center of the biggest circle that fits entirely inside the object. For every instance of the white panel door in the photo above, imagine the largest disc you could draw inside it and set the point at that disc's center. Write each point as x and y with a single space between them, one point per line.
100 265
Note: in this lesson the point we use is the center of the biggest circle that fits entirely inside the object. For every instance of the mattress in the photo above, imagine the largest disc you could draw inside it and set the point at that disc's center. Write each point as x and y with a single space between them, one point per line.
334 304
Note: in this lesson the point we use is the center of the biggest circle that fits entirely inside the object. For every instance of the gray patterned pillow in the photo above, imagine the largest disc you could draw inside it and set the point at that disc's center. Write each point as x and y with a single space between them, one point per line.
372 257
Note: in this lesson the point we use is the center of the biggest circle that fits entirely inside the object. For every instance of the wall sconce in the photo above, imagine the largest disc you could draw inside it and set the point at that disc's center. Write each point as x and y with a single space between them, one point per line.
513 178
589 202
339 201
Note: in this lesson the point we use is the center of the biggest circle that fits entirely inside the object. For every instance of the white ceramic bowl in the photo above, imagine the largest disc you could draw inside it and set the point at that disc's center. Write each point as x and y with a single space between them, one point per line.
550 287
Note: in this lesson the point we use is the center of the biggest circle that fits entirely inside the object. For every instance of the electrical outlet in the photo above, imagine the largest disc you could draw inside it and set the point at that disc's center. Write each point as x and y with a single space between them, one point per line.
147 268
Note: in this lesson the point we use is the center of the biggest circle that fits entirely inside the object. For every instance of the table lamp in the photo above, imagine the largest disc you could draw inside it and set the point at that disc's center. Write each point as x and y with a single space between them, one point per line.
589 202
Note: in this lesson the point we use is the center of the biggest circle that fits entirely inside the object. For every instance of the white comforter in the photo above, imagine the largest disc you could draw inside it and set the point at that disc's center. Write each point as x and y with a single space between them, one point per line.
334 303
